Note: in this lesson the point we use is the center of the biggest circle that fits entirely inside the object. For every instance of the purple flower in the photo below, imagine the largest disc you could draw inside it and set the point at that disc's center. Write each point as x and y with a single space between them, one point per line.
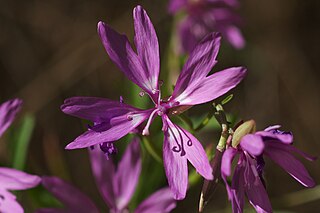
247 178
113 120
11 179
206 16
8 111
116 185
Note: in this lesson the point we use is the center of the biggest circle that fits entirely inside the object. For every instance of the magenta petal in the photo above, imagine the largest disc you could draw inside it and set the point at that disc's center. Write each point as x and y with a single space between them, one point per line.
234 37
107 132
175 167
12 179
147 45
198 157
280 154
237 189
255 190
71 197
227 158
8 111
252 144
284 138
198 65
212 87
8 203
97 110
127 174
104 173
159 202
121 53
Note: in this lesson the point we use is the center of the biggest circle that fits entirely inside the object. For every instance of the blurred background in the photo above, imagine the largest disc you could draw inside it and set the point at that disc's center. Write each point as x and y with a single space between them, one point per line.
50 50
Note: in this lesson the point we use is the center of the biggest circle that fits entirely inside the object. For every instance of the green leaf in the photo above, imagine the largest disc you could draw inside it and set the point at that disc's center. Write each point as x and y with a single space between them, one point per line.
22 140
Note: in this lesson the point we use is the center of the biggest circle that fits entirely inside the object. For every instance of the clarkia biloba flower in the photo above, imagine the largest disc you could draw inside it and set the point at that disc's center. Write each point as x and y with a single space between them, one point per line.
252 147
116 185
205 16
12 179
113 120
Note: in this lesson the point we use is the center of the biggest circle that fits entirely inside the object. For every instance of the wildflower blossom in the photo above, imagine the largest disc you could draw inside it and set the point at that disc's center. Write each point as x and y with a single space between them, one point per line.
116 186
114 120
205 16
12 179
247 179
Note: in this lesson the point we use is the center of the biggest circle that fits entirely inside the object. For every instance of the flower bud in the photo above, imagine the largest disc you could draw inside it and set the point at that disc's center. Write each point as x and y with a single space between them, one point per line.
247 127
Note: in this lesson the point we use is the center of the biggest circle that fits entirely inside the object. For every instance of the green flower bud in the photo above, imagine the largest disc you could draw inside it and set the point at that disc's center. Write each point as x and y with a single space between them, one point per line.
247 127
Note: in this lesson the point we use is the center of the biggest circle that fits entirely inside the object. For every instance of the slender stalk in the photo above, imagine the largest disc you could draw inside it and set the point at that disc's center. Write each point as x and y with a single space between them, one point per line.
151 149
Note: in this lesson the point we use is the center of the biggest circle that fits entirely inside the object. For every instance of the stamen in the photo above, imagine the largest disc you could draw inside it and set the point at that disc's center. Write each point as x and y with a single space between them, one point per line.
189 142
108 149
145 131
176 148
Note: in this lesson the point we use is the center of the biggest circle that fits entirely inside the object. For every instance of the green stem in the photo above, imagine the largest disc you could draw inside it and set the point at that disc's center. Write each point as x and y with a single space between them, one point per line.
151 149
205 121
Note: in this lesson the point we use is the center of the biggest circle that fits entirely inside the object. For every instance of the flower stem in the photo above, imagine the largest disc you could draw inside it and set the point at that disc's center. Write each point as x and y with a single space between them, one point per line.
151 149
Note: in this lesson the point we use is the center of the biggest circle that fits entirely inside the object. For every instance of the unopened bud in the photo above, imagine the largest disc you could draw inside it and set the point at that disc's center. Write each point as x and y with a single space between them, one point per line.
247 127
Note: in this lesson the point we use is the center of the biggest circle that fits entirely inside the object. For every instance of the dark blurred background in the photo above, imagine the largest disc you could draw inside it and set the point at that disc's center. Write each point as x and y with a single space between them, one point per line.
49 50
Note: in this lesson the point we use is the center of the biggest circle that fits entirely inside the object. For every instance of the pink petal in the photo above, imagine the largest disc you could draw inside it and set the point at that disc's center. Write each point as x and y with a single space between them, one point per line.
212 87
147 45
193 149
121 53
12 179
252 144
8 111
71 197
284 138
104 173
97 110
8 203
280 154
237 189
255 190
159 202
107 132
127 174
198 65
227 158
175 167
234 37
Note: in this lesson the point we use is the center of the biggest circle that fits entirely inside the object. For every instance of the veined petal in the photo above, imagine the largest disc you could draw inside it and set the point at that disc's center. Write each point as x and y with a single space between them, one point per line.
212 86
252 144
188 146
227 158
12 179
71 197
122 54
112 131
147 45
280 154
237 189
97 110
255 190
284 138
175 167
8 203
127 174
198 65
159 202
8 111
103 171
